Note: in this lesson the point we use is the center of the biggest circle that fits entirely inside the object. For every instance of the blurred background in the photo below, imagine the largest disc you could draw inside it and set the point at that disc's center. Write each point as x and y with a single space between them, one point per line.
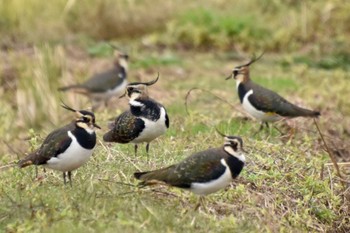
47 44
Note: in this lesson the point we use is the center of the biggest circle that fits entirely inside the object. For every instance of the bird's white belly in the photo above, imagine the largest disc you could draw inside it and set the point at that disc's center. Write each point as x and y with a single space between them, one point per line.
74 157
153 129
215 185
117 91
260 115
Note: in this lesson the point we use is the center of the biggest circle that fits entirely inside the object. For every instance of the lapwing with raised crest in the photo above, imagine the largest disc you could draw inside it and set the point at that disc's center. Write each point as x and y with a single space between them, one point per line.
103 86
143 122
261 103
67 148
204 172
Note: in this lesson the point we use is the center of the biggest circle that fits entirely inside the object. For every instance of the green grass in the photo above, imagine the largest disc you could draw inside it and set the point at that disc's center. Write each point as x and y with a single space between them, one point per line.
100 19
266 189
281 189
157 60
318 28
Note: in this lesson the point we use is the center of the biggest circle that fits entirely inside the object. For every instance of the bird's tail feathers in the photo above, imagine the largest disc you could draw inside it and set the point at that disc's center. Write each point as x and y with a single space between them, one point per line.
156 175
307 113
24 162
138 175
109 136
75 87
27 161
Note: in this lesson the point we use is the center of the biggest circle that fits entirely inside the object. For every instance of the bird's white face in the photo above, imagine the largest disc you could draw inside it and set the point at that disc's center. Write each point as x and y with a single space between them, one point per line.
122 59
123 63
88 127
86 120
135 91
240 74
234 146
134 95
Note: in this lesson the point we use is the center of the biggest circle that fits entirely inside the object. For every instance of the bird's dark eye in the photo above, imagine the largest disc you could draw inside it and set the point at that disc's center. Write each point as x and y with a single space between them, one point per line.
235 72
130 89
86 119
234 145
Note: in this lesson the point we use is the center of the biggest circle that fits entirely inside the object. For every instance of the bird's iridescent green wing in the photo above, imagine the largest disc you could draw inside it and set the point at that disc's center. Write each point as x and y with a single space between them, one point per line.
268 101
125 128
105 81
200 167
54 144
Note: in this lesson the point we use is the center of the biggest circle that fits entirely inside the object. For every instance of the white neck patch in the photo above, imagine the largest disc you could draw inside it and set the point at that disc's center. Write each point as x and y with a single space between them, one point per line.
238 81
249 93
239 156
135 103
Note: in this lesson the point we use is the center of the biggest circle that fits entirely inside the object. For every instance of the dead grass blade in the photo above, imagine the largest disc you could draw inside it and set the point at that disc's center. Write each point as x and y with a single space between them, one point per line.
16 152
118 182
216 96
335 164
7 166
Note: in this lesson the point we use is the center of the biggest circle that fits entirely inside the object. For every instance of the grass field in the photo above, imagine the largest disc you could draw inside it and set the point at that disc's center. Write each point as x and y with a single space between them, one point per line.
289 184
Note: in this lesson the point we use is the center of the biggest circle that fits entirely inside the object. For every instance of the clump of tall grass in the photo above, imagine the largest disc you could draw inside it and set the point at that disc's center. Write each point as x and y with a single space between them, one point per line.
204 27
35 20
107 19
36 95
32 20
320 27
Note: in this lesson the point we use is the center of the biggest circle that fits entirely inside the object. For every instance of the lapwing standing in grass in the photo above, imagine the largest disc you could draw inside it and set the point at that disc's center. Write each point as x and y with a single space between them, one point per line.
204 172
67 148
103 86
261 103
145 121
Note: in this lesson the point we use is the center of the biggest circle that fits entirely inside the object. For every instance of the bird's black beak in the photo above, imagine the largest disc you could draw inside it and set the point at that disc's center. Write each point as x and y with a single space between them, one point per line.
96 125
122 95
228 77
233 75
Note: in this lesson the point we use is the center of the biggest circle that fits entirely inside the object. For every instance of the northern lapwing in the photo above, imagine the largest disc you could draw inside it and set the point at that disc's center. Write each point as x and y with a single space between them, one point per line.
204 172
67 148
261 103
145 121
103 86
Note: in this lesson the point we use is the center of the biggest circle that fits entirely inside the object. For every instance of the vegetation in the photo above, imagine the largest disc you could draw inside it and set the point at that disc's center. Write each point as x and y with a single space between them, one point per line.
289 183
